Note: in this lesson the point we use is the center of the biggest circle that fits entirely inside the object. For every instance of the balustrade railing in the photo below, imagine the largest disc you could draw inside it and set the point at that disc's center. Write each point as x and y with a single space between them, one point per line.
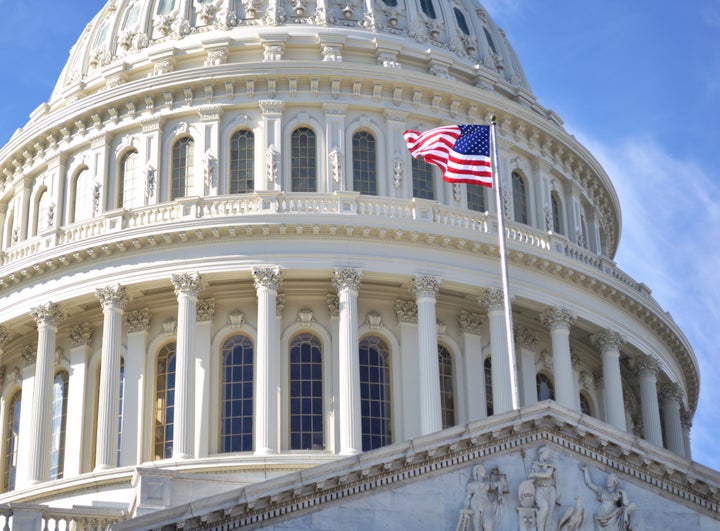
278 203
22 517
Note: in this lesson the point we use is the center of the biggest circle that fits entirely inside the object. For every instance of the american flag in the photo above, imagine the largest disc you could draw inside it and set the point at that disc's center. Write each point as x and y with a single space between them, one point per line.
462 151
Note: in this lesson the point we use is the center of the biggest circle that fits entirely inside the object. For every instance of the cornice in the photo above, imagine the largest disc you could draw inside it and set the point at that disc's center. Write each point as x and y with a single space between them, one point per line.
43 257
549 424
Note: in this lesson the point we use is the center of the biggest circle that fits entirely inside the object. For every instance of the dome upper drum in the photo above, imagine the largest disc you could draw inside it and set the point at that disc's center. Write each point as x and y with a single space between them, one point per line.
132 39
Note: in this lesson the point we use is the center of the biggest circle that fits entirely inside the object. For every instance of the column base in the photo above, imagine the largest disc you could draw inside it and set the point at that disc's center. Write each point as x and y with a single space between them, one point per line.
101 467
265 451
350 451
182 456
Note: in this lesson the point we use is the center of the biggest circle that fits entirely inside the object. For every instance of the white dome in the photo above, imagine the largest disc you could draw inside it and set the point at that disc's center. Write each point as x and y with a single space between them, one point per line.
455 39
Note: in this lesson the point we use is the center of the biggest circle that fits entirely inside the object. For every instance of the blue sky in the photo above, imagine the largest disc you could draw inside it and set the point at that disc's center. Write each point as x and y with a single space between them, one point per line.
638 83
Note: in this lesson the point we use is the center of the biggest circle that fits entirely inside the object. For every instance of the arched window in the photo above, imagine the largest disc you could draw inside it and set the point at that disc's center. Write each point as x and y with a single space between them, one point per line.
165 7
242 162
364 163
585 407
83 193
164 401
488 386
447 388
131 18
520 203
545 389
43 212
428 8
306 397
120 408
59 421
375 393
237 395
462 23
556 213
476 197
12 431
423 176
182 167
490 41
131 192
303 167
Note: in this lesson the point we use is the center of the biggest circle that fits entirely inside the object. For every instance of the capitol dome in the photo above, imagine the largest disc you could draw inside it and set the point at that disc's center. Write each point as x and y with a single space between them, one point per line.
220 264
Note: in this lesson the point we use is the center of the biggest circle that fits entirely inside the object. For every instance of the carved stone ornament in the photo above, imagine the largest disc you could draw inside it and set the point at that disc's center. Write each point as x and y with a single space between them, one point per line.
484 496
492 300
397 170
336 159
608 340
272 157
524 337
169 326
112 296
646 365
441 328
205 311
187 284
267 277
81 335
305 316
545 360
557 319
374 320
273 52
333 304
331 53
48 314
280 302
28 355
5 337
347 279
406 311
425 286
470 322
137 320
236 319
60 358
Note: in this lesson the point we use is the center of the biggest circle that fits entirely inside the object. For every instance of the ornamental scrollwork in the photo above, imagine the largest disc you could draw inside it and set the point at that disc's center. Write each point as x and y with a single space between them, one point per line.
81 335
524 337
646 365
425 286
492 300
205 311
137 320
272 158
113 296
406 311
557 318
608 340
470 322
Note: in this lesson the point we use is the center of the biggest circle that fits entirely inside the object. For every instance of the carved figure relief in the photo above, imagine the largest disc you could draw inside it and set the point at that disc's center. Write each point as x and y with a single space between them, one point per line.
614 509
483 500
272 154
542 474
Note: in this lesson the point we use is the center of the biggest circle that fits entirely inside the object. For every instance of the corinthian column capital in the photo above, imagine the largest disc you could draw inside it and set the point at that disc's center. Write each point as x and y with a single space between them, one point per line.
607 340
267 277
646 365
49 314
347 278
671 392
425 286
558 319
113 296
492 300
187 284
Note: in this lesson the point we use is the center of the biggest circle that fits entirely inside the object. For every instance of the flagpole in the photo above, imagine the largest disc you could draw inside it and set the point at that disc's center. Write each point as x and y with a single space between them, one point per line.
514 395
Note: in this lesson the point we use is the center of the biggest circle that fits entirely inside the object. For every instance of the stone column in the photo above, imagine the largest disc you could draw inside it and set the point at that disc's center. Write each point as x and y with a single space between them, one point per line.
671 397
137 323
267 282
347 283
493 302
47 317
405 363
686 421
333 436
273 147
525 344
559 321
187 287
27 378
646 368
113 300
609 343
471 325
203 386
80 338
425 288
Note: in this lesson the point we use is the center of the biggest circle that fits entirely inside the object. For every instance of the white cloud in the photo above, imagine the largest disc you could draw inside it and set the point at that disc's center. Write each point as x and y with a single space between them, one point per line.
671 242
